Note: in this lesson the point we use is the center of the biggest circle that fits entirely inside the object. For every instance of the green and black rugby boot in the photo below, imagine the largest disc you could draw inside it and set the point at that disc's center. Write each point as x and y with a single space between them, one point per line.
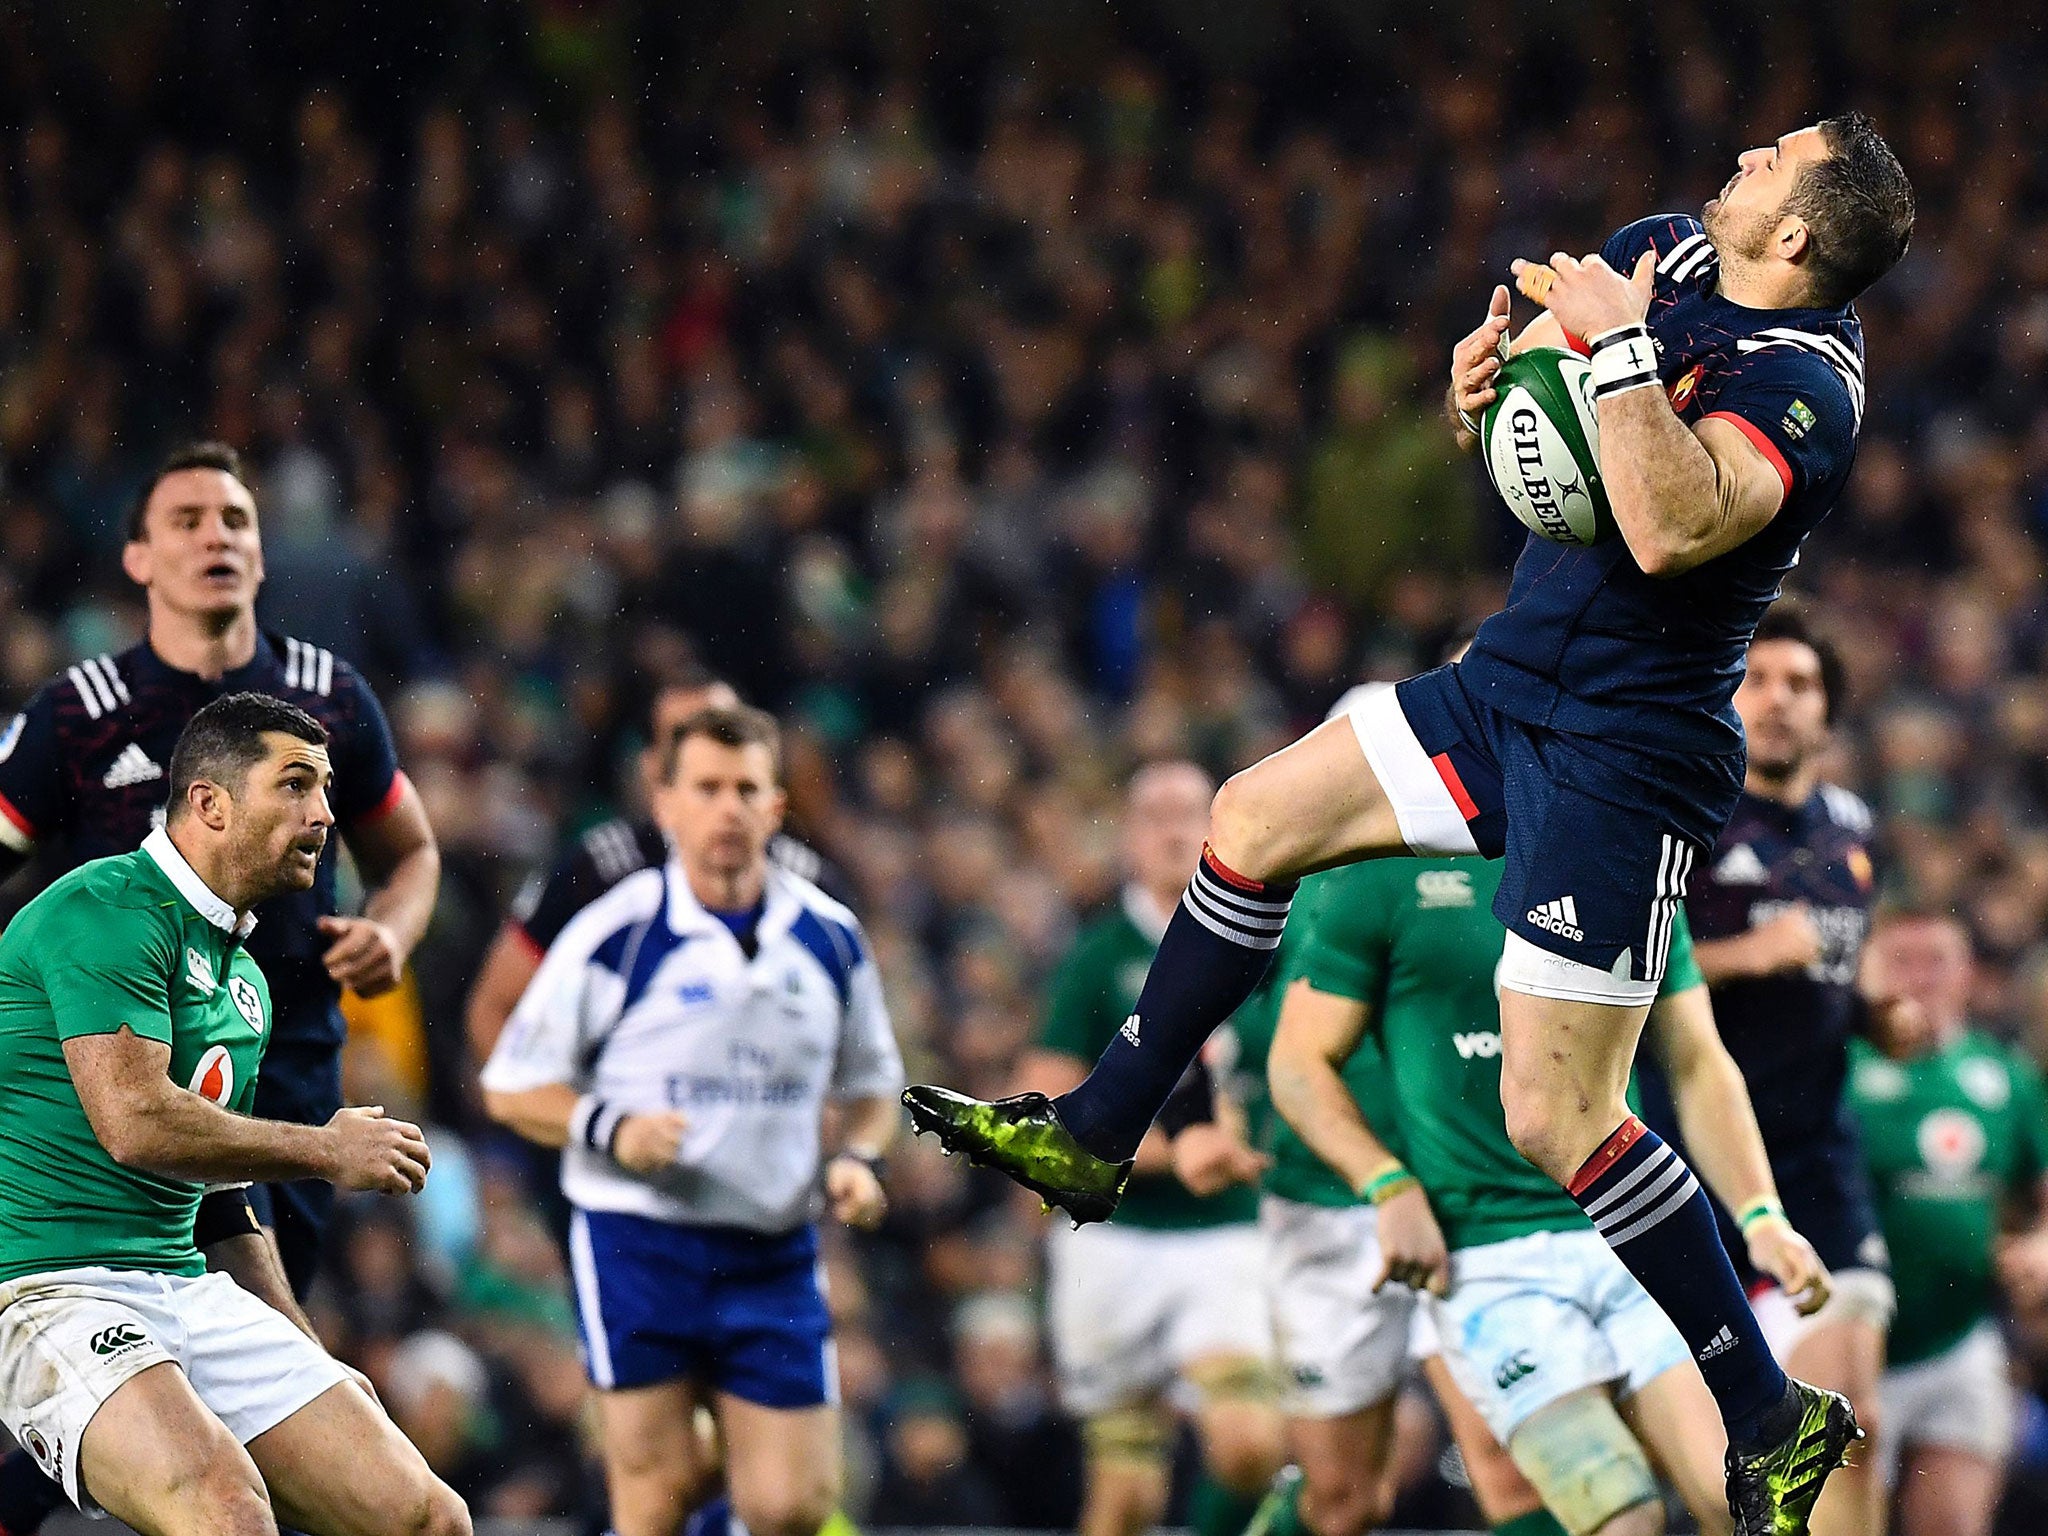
1022 1137
1771 1493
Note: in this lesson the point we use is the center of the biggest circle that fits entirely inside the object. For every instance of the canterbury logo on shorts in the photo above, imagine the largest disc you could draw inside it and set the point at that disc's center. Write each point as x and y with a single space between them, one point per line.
118 1339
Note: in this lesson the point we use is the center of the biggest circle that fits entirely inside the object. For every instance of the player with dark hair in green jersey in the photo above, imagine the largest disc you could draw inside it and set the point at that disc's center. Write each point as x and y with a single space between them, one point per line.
132 1026
1569 1361
1953 1136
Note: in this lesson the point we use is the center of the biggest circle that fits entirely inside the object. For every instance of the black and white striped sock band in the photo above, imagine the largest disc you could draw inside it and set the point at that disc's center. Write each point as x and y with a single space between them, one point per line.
595 1123
1245 912
1622 359
1639 1202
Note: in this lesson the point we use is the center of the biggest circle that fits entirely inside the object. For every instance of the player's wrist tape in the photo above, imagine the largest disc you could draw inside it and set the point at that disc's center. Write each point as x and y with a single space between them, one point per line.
1622 359
1383 1186
224 1213
595 1123
1468 421
1761 1209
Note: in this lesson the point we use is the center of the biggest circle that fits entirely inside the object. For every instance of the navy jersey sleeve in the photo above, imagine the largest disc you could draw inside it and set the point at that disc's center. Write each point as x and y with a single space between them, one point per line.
546 903
1795 406
367 782
35 796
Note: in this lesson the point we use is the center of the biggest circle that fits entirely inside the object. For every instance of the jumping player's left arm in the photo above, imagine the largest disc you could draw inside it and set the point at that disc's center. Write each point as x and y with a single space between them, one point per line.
1719 1125
385 826
1683 495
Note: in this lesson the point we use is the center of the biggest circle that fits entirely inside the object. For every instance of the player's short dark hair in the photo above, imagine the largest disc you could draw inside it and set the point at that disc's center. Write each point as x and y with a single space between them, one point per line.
1787 619
1858 206
690 676
203 455
225 740
730 725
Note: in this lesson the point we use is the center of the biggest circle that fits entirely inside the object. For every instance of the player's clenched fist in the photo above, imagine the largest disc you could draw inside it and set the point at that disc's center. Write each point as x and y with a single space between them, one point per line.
372 1151
1777 1250
649 1143
1475 364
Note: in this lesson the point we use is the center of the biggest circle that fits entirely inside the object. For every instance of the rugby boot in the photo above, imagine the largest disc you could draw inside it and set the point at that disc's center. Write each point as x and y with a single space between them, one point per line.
1772 1492
1022 1137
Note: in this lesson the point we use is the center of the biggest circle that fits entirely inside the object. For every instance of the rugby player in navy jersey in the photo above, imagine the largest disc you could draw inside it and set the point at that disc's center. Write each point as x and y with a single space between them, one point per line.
1587 739
82 776
1779 913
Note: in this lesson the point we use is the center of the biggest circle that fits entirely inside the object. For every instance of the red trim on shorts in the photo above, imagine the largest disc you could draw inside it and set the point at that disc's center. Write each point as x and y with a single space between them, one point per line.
390 801
1764 445
1626 1135
21 822
1448 772
1228 875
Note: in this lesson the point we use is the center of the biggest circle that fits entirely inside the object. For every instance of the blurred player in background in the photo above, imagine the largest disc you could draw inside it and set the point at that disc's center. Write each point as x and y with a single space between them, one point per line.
683 1041
1587 739
600 858
1162 1307
82 776
1957 1141
133 1023
1568 1360
1779 912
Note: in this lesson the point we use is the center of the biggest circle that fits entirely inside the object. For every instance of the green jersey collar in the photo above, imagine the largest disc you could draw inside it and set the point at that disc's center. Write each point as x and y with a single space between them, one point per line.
158 846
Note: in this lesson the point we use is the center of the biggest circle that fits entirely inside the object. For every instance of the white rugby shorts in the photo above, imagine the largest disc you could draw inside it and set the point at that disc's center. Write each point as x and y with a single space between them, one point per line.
1341 1347
69 1339
1960 1399
1130 1308
1536 1318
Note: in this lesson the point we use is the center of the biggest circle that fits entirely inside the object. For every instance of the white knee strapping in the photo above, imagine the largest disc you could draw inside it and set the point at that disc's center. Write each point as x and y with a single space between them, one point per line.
1582 1460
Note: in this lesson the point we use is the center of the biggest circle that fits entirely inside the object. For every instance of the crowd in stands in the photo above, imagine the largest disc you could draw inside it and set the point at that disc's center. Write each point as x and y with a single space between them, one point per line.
1000 421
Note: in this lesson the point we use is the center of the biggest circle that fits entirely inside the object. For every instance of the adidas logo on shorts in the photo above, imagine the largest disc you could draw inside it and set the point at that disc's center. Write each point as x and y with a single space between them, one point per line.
1560 917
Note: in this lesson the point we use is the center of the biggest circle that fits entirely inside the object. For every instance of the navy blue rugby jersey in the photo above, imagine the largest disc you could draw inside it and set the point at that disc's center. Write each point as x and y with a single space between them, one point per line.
1587 643
83 768
1790 1032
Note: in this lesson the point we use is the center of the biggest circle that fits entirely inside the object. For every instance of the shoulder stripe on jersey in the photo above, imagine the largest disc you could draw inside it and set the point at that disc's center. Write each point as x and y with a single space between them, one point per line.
834 946
102 676
1695 264
1671 258
112 674
308 667
656 942
1838 356
88 693
1846 808
291 662
325 685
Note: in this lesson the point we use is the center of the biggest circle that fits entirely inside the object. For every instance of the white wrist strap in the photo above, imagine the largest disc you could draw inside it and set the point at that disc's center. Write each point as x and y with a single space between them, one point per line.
1622 359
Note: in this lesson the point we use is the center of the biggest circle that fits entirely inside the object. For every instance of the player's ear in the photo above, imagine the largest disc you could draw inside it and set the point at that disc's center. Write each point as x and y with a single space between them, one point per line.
135 561
778 804
1793 240
209 803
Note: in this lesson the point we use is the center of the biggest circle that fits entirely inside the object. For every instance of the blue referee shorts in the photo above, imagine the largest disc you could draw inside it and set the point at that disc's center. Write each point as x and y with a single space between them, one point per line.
736 1311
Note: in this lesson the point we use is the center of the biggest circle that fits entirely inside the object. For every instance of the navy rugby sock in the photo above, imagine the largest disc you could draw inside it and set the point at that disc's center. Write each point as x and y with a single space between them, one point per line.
28 1496
1216 948
1659 1222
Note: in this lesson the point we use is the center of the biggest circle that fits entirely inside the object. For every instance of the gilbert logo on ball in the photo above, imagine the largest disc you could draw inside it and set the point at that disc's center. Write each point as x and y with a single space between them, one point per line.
1541 442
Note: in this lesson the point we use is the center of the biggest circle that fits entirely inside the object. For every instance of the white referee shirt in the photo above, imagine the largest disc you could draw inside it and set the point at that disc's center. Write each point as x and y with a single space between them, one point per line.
648 1002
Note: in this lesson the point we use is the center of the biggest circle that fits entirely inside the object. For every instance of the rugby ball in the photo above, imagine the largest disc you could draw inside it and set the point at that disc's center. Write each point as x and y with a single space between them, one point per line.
1541 442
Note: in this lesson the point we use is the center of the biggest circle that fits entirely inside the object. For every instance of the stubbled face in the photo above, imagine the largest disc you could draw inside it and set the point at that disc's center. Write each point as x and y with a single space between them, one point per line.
1783 705
1743 221
279 818
1927 961
721 806
1165 822
199 553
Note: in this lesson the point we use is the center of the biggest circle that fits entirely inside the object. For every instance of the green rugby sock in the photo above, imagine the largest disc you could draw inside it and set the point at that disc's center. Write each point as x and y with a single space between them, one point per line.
1213 1510
1538 1522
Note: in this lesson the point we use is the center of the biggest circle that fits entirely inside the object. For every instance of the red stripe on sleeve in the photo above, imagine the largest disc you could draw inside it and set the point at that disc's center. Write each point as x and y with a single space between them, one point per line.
1460 796
19 822
390 801
1764 445
1626 1135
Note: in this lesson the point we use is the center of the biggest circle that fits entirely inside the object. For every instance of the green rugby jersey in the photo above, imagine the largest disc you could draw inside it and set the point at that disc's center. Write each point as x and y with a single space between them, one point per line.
1095 990
1416 940
138 940
1948 1137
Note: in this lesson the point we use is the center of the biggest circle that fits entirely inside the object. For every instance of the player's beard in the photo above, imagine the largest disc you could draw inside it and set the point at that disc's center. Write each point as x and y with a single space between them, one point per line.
1741 236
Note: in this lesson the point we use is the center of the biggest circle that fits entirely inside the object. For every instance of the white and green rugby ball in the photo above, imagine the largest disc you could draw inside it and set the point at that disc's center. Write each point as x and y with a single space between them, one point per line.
1541 442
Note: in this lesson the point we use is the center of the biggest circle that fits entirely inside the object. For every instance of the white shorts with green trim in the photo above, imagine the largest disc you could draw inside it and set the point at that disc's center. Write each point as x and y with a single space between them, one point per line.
1131 1308
1960 1399
1534 1318
71 1338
